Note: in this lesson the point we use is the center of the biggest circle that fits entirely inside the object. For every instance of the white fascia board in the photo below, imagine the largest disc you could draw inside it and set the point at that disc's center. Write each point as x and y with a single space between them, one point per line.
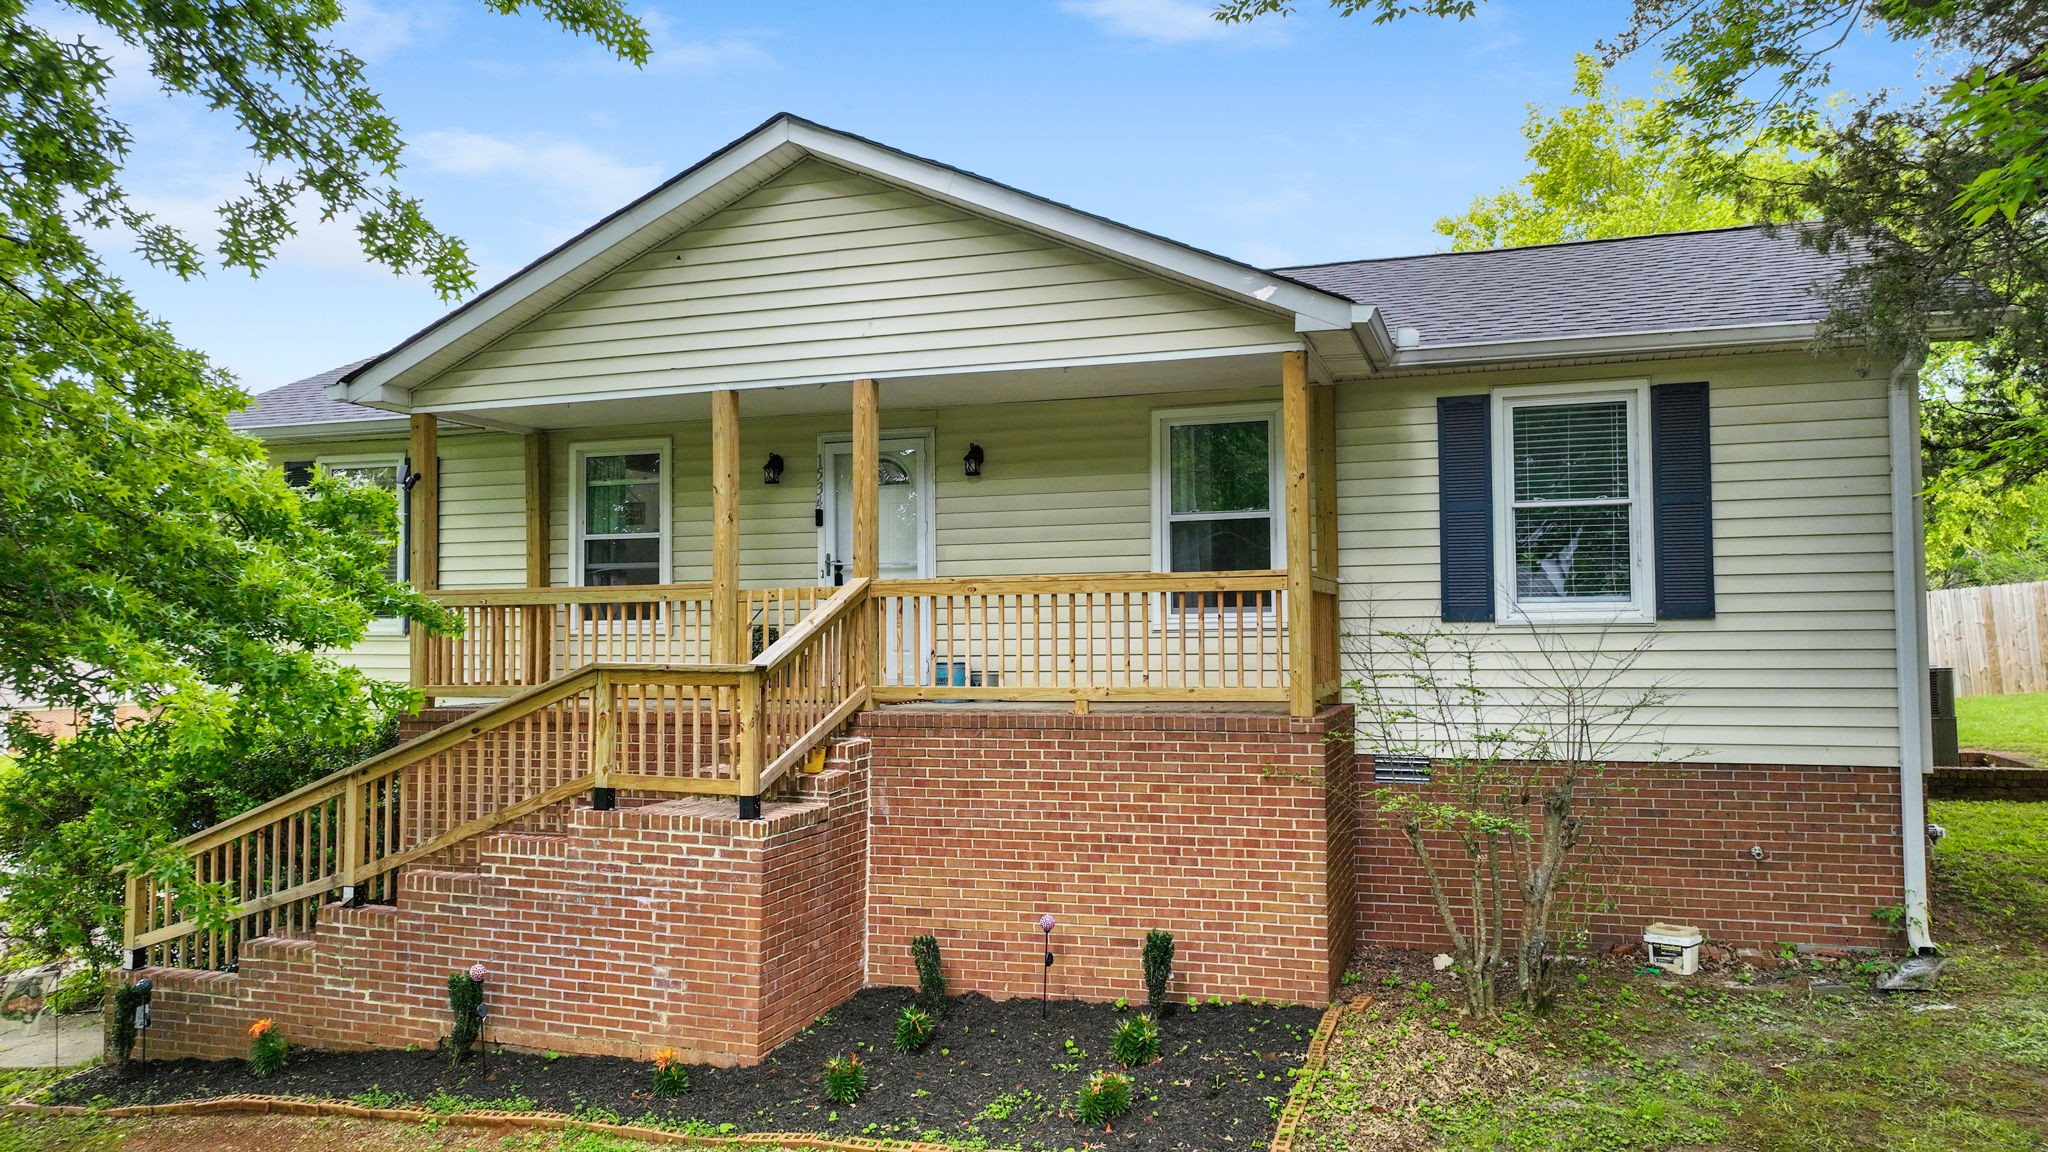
1103 236
460 413
375 385
1621 344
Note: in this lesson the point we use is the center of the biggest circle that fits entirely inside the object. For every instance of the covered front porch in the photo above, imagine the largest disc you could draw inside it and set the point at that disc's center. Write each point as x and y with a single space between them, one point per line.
986 610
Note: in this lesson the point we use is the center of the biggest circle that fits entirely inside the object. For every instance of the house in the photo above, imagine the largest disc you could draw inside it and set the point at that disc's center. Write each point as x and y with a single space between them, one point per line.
852 547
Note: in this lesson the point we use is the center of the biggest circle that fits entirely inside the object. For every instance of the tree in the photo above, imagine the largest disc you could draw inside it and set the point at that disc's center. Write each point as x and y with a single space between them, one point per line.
1605 168
154 559
1942 195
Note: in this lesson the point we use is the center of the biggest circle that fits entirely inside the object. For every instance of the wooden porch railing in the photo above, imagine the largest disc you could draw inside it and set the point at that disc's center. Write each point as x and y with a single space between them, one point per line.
1217 636
517 638
719 729
1136 636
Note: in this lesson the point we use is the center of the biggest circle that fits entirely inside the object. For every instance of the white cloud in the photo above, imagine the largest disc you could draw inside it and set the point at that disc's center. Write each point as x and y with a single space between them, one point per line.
671 51
573 172
1159 21
375 31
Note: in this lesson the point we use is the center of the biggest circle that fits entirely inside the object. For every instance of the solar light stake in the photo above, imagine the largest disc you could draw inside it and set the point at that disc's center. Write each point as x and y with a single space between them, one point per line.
1045 925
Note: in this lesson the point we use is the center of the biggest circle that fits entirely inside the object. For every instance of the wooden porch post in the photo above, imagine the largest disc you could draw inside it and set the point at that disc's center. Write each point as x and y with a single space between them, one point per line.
867 518
540 618
725 528
1294 421
867 471
424 530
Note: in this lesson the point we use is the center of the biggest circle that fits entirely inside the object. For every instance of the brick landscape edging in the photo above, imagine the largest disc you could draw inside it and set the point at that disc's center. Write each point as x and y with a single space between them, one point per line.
539 1121
1318 1055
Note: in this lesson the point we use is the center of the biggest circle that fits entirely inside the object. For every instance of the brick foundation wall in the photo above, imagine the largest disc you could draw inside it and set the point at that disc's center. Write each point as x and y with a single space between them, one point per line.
1673 844
1990 783
669 924
1218 827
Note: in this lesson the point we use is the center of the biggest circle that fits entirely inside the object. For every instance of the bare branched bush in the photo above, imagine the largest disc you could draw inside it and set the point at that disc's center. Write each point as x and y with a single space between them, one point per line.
1520 744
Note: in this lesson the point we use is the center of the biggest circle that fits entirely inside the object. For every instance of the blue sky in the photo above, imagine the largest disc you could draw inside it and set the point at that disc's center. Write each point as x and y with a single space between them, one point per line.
1292 141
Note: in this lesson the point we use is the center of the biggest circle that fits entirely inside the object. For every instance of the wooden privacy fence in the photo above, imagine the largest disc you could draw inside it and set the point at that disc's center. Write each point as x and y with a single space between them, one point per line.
706 728
1993 637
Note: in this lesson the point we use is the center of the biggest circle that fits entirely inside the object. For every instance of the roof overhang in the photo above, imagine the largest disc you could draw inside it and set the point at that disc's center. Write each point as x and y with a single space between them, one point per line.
1508 353
753 160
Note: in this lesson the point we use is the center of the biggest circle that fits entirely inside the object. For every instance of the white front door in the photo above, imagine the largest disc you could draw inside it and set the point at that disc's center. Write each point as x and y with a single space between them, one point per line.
905 484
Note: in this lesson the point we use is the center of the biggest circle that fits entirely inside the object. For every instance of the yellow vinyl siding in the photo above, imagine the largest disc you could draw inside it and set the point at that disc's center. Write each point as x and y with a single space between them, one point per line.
823 274
1797 665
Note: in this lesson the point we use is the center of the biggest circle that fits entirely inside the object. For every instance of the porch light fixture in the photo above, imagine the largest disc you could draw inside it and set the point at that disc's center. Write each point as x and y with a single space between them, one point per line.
771 472
973 459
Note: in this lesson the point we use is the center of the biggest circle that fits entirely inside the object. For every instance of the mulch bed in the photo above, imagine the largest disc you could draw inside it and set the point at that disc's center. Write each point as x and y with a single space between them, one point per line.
997 1072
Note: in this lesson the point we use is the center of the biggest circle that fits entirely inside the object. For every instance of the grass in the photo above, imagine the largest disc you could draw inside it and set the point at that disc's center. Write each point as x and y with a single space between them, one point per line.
255 1133
2005 723
1634 1063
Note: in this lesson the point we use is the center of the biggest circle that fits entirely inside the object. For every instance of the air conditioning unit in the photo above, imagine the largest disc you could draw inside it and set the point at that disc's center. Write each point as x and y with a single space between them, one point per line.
1941 693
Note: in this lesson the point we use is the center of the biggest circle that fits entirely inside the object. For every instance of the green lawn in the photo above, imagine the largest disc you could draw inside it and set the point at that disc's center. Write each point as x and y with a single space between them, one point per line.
2005 723
1635 1063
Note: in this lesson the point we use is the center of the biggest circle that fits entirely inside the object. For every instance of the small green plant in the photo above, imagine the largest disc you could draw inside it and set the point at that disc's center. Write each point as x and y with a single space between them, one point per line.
466 1005
1135 1042
671 1075
376 1097
121 1029
846 1078
1106 1096
931 975
1350 978
267 1048
1158 953
914 1028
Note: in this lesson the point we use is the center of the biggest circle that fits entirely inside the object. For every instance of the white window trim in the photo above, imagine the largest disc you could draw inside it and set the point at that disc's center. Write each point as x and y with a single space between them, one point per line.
579 493
1639 608
383 625
1164 420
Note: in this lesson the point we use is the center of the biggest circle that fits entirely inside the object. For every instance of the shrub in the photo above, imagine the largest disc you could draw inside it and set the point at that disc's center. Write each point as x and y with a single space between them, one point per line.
466 1004
1106 1097
267 1048
931 977
81 990
1158 968
1135 1042
671 1075
121 1029
845 1078
914 1028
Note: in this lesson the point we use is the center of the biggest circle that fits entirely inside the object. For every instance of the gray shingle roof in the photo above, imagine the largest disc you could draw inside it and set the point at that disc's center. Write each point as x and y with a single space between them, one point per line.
305 402
1660 283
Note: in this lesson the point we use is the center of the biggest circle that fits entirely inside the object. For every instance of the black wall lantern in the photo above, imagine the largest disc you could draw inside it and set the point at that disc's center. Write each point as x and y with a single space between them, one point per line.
771 472
973 459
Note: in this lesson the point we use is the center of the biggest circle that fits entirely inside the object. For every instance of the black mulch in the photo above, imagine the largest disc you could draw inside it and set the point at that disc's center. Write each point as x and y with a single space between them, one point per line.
996 1073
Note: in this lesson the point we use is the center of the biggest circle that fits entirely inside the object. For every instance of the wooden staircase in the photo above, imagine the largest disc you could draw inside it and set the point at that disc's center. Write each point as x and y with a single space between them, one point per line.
718 729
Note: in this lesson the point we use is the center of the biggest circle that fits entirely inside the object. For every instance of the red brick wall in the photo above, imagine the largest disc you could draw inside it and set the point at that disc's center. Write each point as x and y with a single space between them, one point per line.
1673 844
658 925
1988 783
1216 827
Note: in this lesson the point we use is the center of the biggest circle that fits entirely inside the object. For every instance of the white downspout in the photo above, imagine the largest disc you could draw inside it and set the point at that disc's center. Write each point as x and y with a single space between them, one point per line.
1909 608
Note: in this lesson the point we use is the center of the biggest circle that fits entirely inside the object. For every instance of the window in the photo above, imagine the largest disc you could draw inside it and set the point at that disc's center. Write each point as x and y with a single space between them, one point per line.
1571 489
386 472
381 471
621 514
1217 485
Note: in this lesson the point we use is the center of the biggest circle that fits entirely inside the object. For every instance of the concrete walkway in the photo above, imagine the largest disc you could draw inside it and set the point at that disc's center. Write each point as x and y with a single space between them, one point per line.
76 1039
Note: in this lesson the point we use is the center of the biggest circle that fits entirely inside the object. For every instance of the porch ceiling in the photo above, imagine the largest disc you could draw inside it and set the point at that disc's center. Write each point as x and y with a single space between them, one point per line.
1194 375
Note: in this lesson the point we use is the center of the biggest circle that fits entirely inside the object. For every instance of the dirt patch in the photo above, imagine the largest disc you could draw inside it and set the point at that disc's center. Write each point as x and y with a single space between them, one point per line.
997 1071
1383 1071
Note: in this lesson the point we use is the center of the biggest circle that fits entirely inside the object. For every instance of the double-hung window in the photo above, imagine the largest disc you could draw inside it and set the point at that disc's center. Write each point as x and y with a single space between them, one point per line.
620 515
1217 485
377 471
1571 483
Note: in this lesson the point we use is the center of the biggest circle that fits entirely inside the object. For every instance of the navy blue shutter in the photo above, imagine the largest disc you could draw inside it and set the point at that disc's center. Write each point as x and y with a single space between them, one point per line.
298 473
1464 485
1682 485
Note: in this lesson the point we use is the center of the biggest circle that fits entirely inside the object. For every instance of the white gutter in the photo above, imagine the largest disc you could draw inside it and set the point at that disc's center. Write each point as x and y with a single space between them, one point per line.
1909 602
1790 333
